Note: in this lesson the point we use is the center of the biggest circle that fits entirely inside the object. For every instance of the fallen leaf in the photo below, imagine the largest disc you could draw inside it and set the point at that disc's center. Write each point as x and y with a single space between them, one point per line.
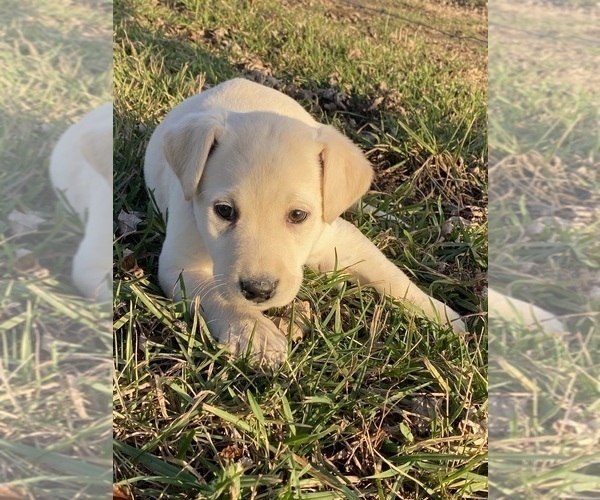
130 265
376 103
128 222
25 262
219 33
232 452
355 54
12 493
121 492
595 292
423 410
446 228
21 222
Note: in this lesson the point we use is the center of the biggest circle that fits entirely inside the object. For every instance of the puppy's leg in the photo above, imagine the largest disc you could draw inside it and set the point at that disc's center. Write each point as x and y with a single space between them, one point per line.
369 266
183 258
238 329
520 312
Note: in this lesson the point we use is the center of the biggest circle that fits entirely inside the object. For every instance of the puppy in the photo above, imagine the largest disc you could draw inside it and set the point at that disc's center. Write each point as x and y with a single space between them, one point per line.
81 170
252 188
523 313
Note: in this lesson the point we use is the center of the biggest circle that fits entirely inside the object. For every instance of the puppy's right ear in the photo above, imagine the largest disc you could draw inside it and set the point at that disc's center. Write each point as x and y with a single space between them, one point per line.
188 144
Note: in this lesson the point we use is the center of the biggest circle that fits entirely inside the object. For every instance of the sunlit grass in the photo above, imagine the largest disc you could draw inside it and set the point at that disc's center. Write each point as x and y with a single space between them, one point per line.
372 402
54 354
543 234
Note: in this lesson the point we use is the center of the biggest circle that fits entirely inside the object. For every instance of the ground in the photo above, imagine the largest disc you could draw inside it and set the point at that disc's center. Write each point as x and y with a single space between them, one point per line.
544 222
372 401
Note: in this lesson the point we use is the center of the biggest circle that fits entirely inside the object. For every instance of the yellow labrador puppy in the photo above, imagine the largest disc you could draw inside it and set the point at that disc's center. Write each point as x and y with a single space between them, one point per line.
252 188
512 310
81 169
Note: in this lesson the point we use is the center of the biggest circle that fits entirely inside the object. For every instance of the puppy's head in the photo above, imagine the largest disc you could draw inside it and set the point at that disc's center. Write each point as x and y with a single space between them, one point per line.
263 187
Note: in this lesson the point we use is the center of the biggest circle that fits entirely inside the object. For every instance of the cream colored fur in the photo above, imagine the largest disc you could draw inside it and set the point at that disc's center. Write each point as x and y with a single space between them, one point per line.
517 311
251 148
81 169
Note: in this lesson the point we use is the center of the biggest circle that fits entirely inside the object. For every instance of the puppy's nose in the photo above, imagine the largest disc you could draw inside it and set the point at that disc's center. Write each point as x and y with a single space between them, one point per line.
258 290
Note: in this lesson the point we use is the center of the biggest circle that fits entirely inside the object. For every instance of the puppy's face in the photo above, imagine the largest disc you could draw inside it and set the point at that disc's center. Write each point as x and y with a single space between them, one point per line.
259 208
263 188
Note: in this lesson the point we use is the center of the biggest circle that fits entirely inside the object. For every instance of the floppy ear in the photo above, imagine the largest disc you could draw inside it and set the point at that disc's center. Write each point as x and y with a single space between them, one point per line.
97 148
346 172
188 144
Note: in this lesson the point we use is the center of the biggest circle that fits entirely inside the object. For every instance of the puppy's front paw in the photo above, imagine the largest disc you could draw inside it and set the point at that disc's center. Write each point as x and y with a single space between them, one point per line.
452 318
258 336
458 325
444 315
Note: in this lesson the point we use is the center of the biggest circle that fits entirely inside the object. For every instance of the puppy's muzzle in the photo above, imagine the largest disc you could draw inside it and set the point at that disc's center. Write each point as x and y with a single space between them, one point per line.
258 290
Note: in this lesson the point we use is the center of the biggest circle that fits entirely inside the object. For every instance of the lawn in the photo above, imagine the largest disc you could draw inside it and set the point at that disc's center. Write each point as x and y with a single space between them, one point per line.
373 403
544 224
55 347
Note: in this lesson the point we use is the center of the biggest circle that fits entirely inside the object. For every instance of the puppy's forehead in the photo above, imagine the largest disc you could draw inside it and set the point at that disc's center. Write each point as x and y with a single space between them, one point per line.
260 134
264 151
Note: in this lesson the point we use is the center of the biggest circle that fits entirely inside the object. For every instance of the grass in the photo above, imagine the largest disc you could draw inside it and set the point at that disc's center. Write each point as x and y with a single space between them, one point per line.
54 371
373 403
543 234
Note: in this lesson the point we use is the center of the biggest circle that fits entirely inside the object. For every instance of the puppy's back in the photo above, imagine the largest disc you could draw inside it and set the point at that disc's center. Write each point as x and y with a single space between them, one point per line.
242 96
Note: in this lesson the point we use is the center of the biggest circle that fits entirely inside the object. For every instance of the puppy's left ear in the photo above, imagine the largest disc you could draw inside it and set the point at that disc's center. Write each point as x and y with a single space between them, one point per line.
347 174
97 147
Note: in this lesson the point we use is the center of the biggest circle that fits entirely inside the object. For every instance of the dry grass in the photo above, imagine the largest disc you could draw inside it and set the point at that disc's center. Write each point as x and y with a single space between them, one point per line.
544 222
372 403
55 347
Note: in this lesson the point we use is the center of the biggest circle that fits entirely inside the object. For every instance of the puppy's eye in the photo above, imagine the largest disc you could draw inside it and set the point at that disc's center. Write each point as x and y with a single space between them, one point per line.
225 211
297 216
